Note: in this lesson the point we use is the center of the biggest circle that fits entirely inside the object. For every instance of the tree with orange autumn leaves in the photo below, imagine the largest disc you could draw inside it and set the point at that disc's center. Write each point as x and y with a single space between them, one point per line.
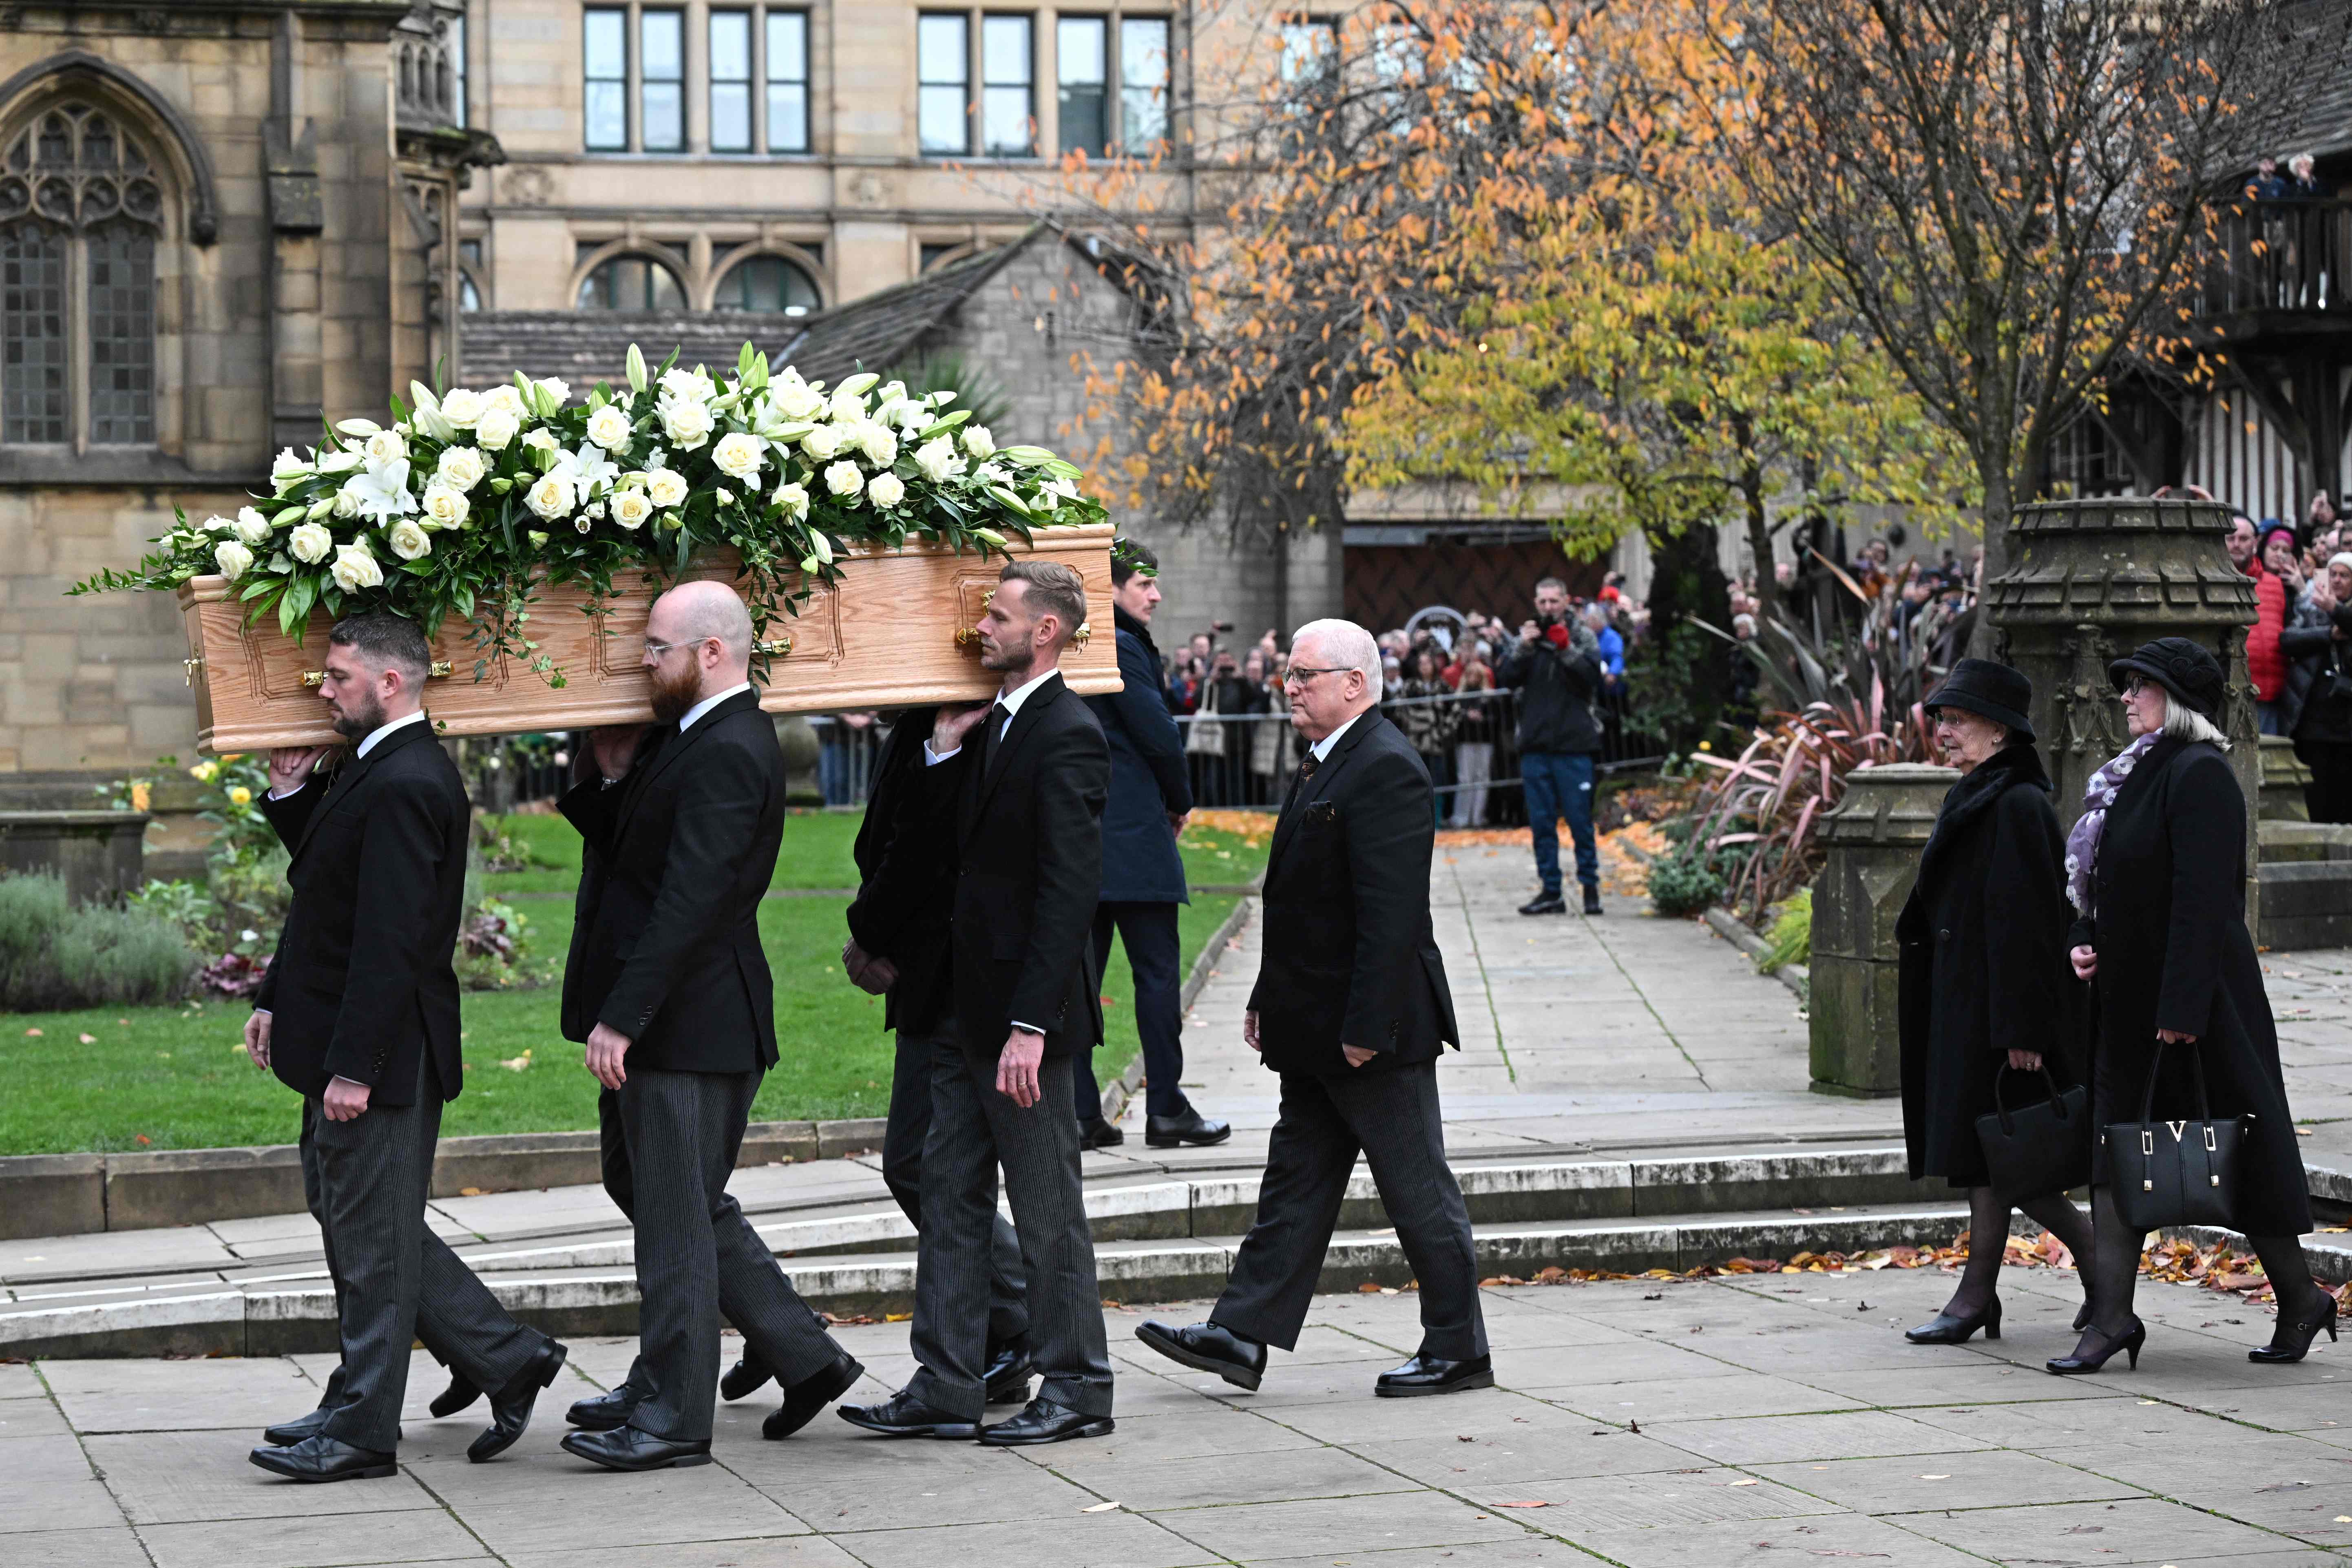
1666 266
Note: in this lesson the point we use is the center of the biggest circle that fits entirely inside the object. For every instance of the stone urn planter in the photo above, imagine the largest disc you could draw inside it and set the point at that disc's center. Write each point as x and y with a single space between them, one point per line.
1874 838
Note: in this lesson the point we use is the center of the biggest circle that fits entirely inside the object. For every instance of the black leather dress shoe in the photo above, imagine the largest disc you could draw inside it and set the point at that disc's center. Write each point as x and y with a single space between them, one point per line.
286 1434
511 1406
804 1399
322 1458
1205 1347
1545 904
1100 1135
746 1378
1427 1375
1591 900
1173 1132
904 1416
460 1394
626 1449
1008 1373
1044 1421
603 1412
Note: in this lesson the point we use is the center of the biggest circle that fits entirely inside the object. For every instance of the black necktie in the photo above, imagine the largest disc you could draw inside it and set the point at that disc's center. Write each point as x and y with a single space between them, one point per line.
997 717
1306 772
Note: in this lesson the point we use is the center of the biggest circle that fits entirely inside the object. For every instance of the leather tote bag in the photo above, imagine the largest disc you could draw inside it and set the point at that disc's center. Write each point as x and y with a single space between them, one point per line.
2175 1172
2040 1148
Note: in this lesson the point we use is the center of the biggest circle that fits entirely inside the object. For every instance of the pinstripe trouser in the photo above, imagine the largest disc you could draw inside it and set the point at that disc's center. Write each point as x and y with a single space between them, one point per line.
366 1182
676 1135
455 1315
973 1130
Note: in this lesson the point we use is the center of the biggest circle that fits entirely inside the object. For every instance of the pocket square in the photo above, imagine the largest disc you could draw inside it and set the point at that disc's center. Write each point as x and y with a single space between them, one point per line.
1322 811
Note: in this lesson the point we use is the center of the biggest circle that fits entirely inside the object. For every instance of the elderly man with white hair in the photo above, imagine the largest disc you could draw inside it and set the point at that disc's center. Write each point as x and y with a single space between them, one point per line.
1351 1009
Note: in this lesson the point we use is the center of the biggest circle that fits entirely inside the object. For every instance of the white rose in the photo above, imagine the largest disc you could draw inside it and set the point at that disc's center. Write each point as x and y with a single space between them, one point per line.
462 407
497 427
386 446
542 439
632 509
560 390
408 541
446 507
285 469
311 544
795 398
665 487
461 467
843 478
979 442
233 558
347 502
885 491
551 496
737 456
355 568
687 423
937 460
880 442
822 442
609 428
679 384
219 525
252 528
848 408
795 499
507 397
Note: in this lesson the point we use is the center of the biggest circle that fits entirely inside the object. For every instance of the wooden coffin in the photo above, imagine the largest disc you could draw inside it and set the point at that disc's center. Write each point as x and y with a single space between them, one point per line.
895 631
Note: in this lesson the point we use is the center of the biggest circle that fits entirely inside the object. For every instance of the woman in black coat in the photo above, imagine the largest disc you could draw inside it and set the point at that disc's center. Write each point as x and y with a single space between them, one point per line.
1984 982
2157 868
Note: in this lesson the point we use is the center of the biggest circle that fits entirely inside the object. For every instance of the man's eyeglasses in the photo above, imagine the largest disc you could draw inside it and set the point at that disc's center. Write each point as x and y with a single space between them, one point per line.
661 650
1298 676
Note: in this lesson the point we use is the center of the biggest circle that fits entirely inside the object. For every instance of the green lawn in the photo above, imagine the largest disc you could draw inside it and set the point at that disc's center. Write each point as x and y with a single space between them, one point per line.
177 1078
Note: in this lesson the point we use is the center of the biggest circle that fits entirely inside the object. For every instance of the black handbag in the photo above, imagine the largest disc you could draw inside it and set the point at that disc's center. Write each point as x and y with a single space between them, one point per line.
2175 1172
2040 1148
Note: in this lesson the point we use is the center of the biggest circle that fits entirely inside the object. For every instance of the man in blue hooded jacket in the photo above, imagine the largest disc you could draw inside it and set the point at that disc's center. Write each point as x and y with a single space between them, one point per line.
1142 876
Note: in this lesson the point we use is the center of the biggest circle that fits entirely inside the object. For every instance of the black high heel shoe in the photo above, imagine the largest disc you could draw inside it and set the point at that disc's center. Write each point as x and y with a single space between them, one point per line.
2291 1342
2129 1344
1944 1329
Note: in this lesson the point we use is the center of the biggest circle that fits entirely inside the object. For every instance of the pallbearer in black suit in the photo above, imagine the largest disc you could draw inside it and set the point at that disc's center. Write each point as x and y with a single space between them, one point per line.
358 1013
1351 1009
668 988
1018 794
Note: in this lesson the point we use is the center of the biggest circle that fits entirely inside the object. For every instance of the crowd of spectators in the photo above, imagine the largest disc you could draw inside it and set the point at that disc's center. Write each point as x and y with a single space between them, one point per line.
2297 654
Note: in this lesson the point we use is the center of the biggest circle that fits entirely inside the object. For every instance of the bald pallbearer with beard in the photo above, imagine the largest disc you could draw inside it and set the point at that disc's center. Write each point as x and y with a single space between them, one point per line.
668 989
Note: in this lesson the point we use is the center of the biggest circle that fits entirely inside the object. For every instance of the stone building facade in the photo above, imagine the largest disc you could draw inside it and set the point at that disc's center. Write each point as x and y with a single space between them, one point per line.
219 224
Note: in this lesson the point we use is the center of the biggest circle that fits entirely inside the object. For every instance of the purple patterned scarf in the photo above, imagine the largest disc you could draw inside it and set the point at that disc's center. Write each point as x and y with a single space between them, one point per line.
2083 843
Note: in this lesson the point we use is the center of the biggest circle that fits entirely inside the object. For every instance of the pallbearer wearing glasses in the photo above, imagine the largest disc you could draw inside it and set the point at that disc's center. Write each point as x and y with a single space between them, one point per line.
1351 1009
668 988
2156 870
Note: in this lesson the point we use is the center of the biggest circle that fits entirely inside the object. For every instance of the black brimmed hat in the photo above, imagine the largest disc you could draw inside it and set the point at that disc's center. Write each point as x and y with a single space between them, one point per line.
2187 669
1995 691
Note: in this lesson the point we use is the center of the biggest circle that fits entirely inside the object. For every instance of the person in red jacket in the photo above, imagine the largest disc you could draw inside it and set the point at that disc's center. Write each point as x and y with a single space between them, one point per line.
2278 579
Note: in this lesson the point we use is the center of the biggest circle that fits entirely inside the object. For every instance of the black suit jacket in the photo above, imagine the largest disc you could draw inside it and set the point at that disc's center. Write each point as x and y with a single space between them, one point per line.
904 889
1350 957
666 947
364 982
1026 848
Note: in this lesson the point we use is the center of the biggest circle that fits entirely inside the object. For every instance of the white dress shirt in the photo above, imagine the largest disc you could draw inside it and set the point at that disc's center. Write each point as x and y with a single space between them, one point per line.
1322 748
1012 701
708 703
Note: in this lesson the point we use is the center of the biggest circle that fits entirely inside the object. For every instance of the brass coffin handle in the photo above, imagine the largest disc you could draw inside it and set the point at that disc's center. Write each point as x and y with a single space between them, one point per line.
774 648
194 668
319 677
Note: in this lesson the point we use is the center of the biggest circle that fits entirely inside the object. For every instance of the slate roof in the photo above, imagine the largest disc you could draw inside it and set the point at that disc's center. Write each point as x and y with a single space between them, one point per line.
583 347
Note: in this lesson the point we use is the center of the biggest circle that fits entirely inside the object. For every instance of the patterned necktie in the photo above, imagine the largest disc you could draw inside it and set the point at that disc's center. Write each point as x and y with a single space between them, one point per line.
997 717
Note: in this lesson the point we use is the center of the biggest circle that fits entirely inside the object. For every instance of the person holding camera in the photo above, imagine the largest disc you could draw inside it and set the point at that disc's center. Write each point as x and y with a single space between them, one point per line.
1555 667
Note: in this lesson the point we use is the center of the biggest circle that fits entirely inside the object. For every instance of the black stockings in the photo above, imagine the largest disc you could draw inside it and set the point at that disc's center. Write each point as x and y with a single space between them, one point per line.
1989 1239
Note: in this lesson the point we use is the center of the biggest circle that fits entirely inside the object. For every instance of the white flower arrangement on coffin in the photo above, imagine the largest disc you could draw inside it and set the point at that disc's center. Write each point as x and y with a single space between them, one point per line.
472 500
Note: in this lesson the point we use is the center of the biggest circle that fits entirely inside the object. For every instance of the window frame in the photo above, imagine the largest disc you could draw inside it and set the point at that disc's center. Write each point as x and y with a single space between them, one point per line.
1027 86
626 16
1117 104
1104 84
645 82
749 83
77 255
768 15
962 85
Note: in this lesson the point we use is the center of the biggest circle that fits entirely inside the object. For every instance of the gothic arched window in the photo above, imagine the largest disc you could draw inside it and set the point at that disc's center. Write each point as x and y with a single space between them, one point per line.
80 212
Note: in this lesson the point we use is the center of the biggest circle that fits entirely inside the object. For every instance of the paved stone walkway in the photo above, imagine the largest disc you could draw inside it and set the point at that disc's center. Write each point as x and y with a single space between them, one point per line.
1759 1420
